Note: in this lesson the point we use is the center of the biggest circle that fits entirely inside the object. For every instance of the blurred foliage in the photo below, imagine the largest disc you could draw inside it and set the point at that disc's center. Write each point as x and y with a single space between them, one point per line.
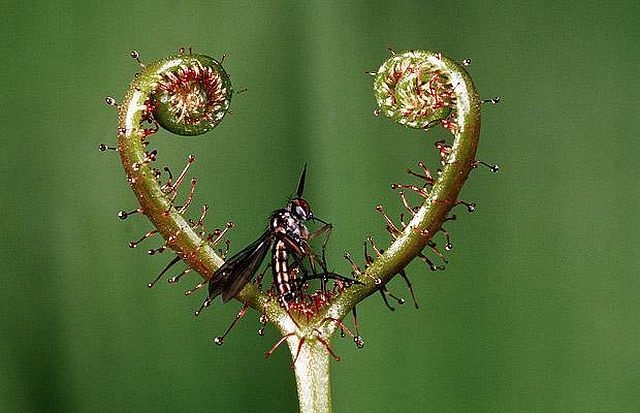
538 310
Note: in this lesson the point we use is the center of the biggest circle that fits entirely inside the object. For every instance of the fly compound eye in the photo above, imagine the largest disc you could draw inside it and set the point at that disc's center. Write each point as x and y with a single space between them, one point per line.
300 208
304 209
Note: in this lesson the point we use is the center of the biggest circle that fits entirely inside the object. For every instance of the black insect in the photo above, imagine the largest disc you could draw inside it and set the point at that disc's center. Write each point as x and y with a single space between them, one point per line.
288 239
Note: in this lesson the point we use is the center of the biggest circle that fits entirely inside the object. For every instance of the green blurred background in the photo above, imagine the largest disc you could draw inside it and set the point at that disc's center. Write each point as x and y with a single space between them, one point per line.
538 310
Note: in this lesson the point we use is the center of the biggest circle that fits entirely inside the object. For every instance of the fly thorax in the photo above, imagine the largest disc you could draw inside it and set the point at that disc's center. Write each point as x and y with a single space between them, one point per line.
279 222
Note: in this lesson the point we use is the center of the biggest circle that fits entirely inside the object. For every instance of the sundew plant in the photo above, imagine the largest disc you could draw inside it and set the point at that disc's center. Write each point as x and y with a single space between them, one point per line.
281 276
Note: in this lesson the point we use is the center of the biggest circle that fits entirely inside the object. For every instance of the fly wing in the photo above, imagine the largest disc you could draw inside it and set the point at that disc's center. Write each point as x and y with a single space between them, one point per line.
237 271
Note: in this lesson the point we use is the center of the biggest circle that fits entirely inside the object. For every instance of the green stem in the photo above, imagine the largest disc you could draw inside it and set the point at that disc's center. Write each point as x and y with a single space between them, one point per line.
436 207
143 96
312 369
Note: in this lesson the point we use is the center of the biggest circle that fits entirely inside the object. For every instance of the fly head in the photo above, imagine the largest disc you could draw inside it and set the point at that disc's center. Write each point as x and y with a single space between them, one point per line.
300 209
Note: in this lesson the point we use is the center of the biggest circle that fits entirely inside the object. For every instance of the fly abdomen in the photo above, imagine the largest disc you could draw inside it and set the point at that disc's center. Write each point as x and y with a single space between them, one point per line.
284 278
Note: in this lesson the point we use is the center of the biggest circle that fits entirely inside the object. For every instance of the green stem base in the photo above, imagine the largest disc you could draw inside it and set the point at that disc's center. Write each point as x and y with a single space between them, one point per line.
312 375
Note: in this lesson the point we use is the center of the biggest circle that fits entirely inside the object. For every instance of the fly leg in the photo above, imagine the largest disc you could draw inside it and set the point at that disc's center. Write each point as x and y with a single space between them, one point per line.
326 231
301 250
326 275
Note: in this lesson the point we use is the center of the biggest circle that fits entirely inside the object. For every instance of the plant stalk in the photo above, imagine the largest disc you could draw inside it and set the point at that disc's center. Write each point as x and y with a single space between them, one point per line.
312 374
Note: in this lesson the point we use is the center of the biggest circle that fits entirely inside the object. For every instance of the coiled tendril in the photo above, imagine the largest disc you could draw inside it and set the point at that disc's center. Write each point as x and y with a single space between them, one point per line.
192 94
410 89
186 94
421 89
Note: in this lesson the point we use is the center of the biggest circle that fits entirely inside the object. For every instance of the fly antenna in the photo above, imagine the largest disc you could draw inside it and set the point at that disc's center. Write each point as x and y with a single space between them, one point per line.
301 181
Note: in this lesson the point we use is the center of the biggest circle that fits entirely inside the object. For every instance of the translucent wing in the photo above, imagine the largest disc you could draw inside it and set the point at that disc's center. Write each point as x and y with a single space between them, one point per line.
238 270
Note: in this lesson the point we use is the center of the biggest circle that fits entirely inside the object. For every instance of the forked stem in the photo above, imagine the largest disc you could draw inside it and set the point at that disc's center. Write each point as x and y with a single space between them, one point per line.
190 94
